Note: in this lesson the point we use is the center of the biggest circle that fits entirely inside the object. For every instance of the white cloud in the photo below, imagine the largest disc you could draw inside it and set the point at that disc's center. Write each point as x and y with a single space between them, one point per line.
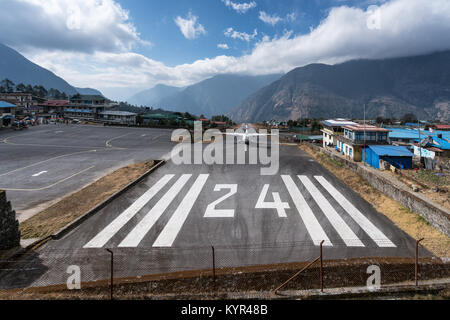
223 46
231 33
269 19
189 27
75 25
407 27
240 7
274 18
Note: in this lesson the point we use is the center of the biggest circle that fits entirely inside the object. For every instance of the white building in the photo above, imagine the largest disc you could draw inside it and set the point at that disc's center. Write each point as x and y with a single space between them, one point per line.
332 129
118 117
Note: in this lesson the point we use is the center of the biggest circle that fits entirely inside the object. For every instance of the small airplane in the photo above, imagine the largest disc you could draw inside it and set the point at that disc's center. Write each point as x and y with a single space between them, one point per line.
246 135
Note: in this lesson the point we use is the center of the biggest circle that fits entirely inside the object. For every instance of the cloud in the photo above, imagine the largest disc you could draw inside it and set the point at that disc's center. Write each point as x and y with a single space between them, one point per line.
274 19
75 25
269 19
231 33
406 27
223 46
240 7
189 27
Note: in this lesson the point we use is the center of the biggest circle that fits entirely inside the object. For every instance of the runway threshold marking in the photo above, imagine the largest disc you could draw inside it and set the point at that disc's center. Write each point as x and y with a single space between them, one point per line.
173 227
313 226
143 227
107 233
50 186
44 161
344 231
374 233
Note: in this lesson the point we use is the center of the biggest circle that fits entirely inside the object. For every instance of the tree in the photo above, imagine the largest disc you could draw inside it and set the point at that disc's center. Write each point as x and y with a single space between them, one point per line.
21 88
8 85
409 117
379 120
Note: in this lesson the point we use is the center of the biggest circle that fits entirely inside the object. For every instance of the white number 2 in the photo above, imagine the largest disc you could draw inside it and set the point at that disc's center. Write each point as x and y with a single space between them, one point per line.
276 204
212 212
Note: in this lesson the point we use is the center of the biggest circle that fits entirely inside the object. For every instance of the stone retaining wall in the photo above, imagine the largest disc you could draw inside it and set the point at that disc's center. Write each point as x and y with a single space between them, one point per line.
436 215
9 226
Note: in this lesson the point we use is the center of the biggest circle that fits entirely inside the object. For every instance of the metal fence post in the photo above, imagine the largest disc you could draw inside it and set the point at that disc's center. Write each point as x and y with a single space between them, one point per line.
214 264
321 266
111 284
416 269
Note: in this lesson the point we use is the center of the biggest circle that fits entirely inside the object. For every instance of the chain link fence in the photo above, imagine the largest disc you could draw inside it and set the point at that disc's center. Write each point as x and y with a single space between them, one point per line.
212 270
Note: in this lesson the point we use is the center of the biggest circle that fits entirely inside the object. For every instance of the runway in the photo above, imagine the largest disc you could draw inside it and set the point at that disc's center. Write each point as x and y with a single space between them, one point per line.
170 220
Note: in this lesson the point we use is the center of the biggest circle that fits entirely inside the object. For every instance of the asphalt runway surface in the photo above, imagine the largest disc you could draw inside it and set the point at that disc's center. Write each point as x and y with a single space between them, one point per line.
170 221
44 163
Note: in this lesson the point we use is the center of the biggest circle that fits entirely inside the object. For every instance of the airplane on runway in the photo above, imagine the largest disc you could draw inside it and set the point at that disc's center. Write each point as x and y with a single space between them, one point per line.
246 135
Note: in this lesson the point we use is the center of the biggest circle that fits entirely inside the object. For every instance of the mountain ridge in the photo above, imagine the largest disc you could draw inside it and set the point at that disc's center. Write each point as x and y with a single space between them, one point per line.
19 69
389 87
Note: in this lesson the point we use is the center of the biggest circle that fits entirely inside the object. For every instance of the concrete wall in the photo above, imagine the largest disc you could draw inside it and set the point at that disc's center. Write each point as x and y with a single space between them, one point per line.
9 226
436 215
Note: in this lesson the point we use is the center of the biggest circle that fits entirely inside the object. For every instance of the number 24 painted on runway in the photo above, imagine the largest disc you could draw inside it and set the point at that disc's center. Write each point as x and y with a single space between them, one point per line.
212 212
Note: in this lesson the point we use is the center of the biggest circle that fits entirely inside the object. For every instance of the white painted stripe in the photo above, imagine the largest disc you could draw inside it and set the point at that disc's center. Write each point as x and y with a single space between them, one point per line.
143 227
38 174
312 225
173 227
106 234
344 231
380 239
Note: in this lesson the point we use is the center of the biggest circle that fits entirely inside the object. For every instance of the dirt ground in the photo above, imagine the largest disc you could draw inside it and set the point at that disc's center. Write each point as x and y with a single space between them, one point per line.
75 205
410 222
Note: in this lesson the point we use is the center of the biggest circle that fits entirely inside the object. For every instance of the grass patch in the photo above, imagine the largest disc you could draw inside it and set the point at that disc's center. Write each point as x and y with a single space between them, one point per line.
428 176
52 219
408 221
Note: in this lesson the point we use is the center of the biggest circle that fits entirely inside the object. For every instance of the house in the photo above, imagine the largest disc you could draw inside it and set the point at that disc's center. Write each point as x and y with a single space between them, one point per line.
220 124
397 156
52 108
22 101
7 113
357 137
332 129
150 118
118 117
87 107
441 127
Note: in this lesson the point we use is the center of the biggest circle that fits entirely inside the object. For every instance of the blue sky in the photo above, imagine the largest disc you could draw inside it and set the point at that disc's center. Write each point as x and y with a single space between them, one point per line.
155 21
124 46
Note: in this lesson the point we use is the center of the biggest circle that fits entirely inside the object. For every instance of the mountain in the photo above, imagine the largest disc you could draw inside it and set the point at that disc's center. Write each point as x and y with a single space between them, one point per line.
152 97
19 69
389 88
217 95
89 91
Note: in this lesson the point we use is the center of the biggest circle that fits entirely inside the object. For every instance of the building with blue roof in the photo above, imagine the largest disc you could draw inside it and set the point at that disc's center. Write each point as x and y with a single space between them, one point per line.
7 113
398 156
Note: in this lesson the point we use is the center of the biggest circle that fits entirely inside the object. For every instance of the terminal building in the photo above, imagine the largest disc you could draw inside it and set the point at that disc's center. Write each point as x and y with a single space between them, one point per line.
88 107
357 137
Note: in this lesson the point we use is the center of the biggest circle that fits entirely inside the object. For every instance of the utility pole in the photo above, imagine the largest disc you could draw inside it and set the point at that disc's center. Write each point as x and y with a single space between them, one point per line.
420 144
364 147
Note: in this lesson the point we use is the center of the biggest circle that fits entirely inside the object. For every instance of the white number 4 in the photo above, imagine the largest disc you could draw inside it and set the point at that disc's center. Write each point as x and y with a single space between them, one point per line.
276 204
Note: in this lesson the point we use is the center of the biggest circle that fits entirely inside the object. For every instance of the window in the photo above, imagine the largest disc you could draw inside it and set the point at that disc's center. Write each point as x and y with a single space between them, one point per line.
351 152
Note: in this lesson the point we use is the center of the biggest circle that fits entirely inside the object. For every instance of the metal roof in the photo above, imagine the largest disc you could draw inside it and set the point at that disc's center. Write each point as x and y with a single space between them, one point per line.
387 150
4 104
118 113
338 123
